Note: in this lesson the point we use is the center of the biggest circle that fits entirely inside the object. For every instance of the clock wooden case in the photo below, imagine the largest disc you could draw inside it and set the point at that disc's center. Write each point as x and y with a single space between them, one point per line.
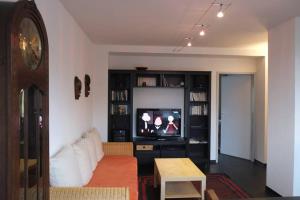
24 148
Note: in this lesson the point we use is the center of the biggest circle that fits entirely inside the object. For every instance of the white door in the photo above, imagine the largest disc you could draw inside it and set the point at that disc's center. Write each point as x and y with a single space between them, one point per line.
236 109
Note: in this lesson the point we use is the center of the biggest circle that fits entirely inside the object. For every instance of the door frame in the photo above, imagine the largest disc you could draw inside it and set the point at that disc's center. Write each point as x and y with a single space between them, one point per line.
218 107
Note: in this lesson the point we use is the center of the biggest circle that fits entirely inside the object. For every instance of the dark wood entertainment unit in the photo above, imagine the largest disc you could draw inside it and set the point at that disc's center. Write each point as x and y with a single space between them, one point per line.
195 142
146 150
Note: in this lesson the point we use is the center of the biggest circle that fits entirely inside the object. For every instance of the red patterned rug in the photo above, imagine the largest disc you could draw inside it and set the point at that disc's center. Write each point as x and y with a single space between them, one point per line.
224 187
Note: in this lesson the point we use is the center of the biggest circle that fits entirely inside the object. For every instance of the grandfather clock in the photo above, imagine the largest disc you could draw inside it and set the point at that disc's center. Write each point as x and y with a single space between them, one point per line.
24 93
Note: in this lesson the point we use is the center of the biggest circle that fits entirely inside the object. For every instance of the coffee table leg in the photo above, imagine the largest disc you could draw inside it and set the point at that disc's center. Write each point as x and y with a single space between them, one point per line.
203 188
162 190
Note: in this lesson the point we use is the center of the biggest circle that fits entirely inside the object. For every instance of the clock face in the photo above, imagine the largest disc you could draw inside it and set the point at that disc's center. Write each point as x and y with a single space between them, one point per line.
30 43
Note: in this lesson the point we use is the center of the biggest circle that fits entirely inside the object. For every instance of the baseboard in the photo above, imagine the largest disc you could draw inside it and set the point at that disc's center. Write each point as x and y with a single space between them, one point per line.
260 163
213 162
235 157
272 192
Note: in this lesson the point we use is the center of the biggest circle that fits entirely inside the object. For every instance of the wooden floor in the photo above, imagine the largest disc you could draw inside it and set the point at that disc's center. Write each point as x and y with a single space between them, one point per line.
251 176
248 175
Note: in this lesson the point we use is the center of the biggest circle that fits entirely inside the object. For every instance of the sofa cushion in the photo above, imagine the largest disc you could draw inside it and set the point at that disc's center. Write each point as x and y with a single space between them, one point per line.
60 165
94 135
92 151
116 171
83 158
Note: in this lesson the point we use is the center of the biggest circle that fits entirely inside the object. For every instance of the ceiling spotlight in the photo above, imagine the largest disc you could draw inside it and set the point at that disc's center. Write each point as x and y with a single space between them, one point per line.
202 31
189 41
220 14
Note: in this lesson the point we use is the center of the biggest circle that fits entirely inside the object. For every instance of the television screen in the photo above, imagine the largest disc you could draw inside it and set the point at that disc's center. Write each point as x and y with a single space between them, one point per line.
158 122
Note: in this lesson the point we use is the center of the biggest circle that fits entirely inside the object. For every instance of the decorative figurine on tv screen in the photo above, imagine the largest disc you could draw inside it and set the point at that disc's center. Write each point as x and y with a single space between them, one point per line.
146 118
171 127
158 123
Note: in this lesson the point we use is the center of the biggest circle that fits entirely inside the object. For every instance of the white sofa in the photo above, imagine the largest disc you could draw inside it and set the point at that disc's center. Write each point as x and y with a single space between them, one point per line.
75 170
73 165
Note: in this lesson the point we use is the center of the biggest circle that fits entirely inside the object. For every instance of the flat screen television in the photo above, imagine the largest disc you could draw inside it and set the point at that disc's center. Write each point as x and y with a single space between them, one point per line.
158 123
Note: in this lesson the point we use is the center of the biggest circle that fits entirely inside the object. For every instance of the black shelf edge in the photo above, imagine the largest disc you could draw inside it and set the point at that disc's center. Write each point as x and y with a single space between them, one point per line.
120 115
199 127
199 102
120 102
196 89
201 143
158 87
197 155
145 86
119 89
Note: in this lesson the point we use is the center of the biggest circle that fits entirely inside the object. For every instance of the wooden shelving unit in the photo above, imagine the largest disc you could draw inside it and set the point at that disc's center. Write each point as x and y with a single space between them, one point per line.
160 79
120 106
196 87
198 116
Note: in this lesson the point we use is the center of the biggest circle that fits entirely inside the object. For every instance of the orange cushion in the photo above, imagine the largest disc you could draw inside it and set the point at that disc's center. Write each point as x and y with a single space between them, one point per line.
116 171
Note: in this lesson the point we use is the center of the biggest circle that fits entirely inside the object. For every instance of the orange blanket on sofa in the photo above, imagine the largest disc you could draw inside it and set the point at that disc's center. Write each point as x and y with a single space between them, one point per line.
116 171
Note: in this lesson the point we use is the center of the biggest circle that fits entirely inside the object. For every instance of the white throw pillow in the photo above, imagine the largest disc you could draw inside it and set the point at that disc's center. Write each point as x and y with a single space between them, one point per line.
92 151
64 169
96 135
83 158
90 135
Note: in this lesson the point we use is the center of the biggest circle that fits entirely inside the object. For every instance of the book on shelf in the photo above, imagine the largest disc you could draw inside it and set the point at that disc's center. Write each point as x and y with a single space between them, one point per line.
119 110
201 110
198 96
119 95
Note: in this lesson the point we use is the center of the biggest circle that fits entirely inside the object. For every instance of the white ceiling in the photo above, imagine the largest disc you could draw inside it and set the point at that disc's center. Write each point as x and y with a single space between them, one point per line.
167 22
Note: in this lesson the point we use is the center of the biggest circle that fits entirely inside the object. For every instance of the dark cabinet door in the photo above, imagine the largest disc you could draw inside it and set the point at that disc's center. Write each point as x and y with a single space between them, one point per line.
31 143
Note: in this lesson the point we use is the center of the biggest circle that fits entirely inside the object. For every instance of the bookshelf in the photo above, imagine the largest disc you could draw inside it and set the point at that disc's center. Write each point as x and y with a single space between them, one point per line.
120 106
198 116
197 107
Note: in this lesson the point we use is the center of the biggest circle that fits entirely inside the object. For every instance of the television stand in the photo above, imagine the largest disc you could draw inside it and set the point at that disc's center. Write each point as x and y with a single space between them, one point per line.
146 150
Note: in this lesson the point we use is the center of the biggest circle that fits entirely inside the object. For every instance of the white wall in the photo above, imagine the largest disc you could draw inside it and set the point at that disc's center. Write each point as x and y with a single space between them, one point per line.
183 62
100 93
260 105
158 98
70 55
216 64
283 169
297 110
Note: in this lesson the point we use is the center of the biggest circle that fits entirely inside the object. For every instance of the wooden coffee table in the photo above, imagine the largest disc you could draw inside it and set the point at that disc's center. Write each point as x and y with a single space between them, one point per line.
176 176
